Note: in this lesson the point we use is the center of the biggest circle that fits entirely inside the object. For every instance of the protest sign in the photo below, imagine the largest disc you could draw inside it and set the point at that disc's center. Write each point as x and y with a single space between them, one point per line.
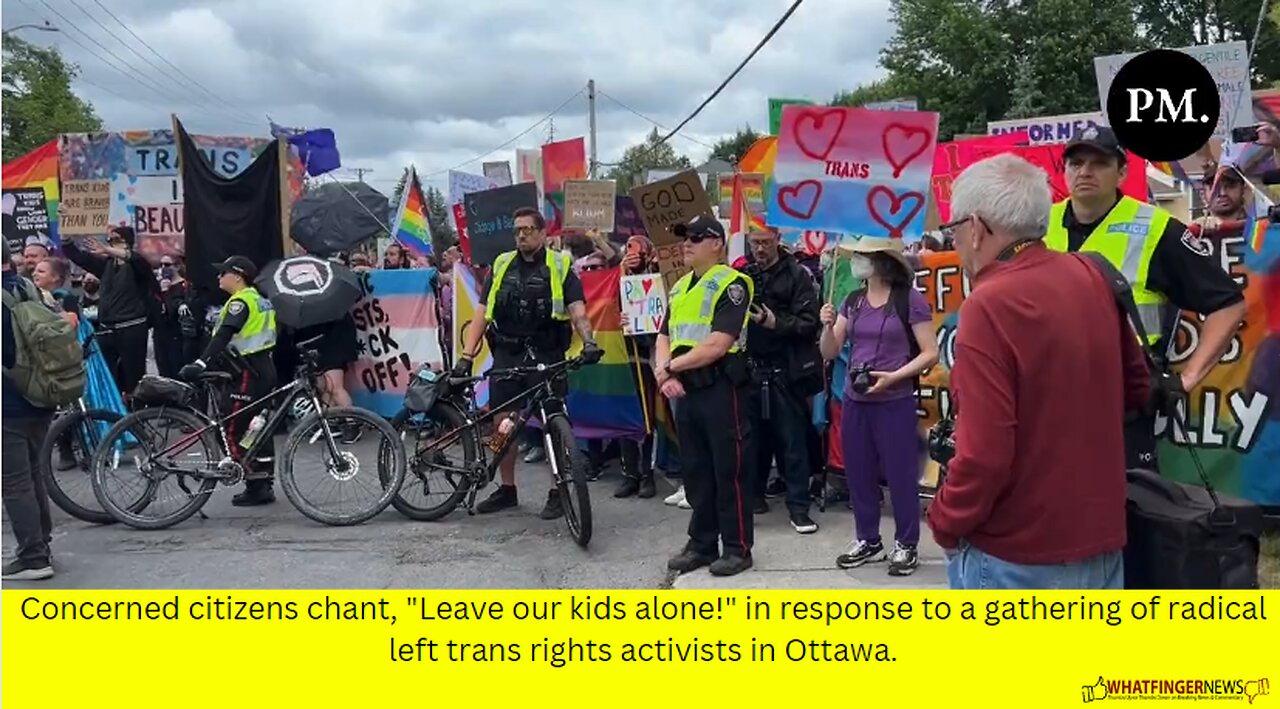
775 111
490 220
563 160
499 172
1227 62
85 208
26 217
897 104
37 169
627 221
460 222
676 199
529 168
589 204
462 184
396 332
1047 130
950 159
853 171
644 302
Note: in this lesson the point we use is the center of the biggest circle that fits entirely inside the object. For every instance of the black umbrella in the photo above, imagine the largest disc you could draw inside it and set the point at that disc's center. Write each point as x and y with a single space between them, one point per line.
337 216
306 290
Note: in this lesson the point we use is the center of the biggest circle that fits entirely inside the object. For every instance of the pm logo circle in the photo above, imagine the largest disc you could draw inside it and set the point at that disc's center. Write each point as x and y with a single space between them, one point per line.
1163 105
304 275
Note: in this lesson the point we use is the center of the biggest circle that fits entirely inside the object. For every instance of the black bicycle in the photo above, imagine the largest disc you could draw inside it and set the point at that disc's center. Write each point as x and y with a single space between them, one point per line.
453 459
202 457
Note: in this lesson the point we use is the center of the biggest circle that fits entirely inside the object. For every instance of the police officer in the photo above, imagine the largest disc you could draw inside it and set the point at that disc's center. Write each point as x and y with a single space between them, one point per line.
783 347
700 358
1163 261
531 299
247 322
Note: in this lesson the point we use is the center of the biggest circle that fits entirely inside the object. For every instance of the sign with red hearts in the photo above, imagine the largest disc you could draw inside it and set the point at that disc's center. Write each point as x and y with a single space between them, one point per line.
853 171
644 303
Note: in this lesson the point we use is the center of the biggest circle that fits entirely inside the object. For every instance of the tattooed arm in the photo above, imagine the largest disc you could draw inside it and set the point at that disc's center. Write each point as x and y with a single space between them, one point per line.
581 324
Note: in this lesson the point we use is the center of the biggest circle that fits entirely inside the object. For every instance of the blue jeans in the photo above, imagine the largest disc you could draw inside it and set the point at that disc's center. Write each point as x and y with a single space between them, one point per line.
973 569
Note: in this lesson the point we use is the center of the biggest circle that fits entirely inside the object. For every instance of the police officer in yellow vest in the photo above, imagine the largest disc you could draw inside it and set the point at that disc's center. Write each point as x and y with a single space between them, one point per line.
247 323
701 364
531 300
1168 267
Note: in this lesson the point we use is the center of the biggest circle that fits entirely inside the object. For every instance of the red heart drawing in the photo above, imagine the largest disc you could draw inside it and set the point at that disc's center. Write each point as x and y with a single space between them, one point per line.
799 200
816 132
815 242
902 144
895 209
648 284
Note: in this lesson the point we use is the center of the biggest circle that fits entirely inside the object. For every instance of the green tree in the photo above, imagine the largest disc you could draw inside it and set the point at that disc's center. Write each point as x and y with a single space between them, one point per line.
1182 23
962 58
439 221
648 155
399 190
732 148
1026 99
38 101
886 89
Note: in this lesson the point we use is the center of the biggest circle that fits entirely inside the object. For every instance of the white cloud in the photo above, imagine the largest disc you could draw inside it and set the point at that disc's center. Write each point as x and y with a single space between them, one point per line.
437 83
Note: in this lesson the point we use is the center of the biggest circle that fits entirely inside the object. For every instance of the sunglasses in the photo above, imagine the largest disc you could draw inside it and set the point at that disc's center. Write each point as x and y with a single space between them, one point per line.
698 238
527 230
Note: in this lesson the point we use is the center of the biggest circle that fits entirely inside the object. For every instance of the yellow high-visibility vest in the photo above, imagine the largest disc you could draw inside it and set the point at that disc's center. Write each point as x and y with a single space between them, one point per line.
259 331
559 264
690 311
1127 238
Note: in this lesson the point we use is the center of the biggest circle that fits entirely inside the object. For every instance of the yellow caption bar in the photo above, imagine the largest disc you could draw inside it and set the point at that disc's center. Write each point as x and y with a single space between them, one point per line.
636 648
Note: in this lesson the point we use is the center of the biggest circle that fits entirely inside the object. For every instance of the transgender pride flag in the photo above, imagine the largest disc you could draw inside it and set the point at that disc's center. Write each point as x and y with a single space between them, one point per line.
411 227
397 330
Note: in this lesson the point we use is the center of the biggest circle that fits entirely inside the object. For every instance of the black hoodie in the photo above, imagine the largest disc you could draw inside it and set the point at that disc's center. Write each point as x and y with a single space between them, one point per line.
124 293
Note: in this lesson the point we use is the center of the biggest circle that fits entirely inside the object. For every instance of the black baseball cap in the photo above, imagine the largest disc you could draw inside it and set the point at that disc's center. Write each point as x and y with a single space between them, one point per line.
240 266
700 226
1099 138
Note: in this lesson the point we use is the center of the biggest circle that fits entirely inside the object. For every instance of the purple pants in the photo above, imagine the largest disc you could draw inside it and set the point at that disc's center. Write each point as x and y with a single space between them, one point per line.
881 437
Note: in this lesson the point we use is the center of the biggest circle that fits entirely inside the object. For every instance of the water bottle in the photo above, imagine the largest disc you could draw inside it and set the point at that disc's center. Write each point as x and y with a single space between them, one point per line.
255 427
501 433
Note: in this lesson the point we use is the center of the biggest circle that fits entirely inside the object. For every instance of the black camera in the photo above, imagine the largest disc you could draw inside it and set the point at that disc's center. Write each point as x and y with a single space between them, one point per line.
861 376
942 441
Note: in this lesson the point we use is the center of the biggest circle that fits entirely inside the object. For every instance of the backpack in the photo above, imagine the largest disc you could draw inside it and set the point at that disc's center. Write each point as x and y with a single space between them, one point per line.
48 366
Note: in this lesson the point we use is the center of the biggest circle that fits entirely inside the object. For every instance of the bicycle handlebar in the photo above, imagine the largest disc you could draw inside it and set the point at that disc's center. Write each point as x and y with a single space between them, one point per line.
513 372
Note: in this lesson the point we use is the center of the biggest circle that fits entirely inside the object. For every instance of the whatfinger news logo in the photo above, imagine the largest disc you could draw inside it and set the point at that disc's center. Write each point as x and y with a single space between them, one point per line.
1185 689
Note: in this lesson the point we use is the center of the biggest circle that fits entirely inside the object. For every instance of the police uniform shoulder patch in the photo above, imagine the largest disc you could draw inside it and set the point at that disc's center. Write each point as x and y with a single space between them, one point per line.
737 293
1196 244
236 307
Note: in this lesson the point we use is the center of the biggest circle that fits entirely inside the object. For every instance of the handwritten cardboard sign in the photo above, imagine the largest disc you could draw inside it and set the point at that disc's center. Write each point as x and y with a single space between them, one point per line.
589 204
853 171
491 220
498 171
644 303
674 200
85 207
462 184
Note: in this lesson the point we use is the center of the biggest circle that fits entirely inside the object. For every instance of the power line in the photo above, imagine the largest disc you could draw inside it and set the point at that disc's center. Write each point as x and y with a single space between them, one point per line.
641 115
162 58
518 136
199 100
765 40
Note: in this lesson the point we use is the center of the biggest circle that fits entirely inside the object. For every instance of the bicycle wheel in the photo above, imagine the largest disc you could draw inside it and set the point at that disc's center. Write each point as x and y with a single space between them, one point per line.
425 497
73 437
361 496
571 479
160 498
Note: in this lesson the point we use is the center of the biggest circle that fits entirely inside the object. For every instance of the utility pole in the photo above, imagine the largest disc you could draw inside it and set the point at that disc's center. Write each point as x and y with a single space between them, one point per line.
360 172
591 111
551 130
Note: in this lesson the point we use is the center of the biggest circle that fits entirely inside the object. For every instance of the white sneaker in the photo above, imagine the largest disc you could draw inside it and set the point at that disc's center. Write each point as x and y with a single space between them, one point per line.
684 503
675 498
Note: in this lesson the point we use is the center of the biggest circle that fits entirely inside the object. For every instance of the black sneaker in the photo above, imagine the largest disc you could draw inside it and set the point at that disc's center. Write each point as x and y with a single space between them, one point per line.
554 509
777 487
502 498
254 496
689 560
902 560
536 454
18 570
803 523
730 565
860 553
761 506
629 487
646 487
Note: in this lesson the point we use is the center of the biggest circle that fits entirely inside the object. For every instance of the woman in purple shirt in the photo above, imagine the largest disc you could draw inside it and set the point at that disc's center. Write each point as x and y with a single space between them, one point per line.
889 329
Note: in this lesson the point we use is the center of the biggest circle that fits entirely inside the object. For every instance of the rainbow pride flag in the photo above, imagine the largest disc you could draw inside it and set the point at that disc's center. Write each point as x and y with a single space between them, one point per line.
411 227
38 168
604 399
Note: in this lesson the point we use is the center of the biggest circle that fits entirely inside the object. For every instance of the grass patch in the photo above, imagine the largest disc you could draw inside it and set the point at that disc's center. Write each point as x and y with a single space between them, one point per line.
1269 562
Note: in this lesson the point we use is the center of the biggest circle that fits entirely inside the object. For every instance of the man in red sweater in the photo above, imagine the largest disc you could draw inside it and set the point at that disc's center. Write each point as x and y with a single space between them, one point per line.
1045 369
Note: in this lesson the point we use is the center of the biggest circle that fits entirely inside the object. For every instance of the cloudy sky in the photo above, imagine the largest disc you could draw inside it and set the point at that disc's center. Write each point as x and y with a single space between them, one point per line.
437 83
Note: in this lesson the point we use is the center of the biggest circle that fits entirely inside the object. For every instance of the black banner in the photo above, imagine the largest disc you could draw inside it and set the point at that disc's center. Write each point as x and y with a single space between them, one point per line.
490 223
26 216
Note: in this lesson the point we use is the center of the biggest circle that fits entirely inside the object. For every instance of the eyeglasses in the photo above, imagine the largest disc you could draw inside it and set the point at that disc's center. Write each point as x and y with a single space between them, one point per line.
522 230
949 229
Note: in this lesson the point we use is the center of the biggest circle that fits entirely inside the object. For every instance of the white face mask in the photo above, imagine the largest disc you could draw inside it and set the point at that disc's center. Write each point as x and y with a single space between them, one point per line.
861 267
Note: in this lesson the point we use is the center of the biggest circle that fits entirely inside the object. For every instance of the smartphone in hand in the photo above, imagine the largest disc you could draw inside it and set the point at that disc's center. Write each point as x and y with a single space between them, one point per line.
1244 134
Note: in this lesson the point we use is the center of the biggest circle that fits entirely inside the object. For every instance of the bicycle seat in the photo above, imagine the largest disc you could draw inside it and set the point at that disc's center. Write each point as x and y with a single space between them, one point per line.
213 375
